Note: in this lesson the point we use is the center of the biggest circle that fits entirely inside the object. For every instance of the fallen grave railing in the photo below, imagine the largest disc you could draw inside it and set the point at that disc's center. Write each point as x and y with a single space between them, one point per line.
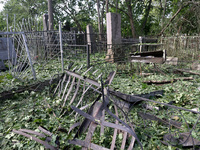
93 111
100 111
15 51
179 128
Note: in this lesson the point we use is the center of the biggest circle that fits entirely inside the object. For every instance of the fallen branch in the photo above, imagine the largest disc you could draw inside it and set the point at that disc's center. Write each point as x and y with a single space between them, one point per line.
190 72
32 87
174 16
168 81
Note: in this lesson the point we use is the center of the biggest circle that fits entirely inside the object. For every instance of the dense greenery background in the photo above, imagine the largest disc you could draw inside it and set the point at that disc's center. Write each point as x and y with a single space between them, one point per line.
139 17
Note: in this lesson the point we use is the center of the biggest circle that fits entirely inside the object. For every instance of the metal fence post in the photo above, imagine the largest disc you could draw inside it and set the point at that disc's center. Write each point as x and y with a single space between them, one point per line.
29 57
88 56
61 46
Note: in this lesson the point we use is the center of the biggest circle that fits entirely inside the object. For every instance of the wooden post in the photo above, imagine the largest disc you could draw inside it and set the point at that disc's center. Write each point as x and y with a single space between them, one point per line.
141 47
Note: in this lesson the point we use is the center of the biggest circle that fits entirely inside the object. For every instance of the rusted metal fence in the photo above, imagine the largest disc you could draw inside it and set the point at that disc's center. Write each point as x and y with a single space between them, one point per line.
186 48
99 111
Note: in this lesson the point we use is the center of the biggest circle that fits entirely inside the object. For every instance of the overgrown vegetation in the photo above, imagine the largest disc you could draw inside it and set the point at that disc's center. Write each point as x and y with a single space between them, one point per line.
29 109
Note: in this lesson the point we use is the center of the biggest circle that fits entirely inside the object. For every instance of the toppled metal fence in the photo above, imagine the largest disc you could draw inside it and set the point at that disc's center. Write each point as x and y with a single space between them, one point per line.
16 55
101 111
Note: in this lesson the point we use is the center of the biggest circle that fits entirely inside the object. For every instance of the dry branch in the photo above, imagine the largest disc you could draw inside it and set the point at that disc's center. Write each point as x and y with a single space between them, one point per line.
32 87
168 81
190 72
174 16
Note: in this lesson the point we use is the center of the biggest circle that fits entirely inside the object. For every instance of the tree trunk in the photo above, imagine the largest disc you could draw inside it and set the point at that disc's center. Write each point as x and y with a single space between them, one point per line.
130 14
99 19
163 14
102 16
146 15
116 5
107 7
72 17
174 16
50 13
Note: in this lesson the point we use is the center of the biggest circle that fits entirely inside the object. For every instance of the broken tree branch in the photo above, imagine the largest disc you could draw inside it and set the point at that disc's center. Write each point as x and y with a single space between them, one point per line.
173 17
167 81
190 72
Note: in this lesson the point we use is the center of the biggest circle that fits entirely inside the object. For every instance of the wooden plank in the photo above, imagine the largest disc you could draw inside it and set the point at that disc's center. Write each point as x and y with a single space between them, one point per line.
158 60
149 57
144 54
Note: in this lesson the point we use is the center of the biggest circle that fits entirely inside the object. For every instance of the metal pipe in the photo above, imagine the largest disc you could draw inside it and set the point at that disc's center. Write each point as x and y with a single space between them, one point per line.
28 54
61 46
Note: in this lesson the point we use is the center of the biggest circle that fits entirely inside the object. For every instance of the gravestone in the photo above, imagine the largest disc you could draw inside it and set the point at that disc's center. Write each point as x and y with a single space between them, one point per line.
114 39
5 45
4 54
2 66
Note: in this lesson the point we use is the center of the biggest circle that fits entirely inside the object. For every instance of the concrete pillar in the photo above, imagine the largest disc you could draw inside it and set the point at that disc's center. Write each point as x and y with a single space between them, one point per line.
114 39
90 39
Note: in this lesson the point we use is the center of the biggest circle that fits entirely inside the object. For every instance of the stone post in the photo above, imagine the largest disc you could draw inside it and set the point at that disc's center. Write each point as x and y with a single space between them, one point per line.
114 40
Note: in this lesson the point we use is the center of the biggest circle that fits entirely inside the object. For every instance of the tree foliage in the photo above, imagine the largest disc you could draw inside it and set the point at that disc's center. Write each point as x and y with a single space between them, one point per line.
139 17
23 9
